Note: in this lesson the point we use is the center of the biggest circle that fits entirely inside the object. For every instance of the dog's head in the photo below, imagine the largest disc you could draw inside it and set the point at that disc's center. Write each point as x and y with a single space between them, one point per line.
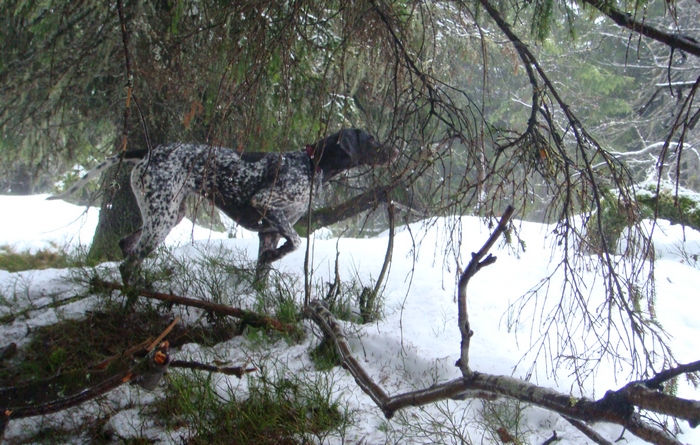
349 148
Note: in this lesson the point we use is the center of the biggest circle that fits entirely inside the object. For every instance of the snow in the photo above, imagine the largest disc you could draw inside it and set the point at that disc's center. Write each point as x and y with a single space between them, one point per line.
415 343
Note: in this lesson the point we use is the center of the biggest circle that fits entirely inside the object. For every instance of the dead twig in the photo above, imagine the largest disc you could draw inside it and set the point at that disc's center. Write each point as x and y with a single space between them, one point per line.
60 392
588 431
238 371
473 267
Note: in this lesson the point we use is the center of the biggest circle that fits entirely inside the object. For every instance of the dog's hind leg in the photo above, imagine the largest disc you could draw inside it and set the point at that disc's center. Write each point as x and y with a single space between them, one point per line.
161 209
128 243
154 231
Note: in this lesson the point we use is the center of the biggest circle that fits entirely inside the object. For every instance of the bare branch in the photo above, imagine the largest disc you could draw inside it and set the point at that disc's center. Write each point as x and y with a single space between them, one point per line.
364 201
588 431
663 376
238 371
614 407
473 267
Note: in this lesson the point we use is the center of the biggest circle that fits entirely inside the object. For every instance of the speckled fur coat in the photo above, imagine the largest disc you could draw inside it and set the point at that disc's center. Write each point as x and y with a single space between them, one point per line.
263 192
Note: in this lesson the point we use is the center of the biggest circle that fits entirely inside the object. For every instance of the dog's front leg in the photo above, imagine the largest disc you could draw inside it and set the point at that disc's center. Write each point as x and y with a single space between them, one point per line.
268 242
284 229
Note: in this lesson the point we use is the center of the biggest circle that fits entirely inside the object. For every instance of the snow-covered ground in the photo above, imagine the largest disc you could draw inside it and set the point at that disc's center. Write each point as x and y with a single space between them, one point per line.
414 345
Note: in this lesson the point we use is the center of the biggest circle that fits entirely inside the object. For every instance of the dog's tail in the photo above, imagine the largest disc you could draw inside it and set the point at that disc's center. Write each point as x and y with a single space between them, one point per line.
130 156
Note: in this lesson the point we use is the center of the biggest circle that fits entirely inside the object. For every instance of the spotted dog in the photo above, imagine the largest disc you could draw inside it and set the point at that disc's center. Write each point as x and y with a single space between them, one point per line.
263 192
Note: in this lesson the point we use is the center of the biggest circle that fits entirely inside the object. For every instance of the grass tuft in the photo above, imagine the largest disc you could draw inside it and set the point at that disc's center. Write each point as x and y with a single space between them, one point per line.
14 261
276 411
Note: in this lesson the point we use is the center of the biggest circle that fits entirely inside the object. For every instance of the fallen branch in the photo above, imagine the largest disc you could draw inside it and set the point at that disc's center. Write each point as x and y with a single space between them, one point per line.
60 392
248 317
238 371
615 407
55 394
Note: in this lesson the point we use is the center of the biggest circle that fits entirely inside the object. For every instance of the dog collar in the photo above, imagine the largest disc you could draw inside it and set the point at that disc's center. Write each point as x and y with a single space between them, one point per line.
310 150
311 153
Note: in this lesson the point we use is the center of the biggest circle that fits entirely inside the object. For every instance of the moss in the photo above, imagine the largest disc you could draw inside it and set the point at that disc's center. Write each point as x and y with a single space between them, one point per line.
325 356
69 346
682 209
613 220
664 204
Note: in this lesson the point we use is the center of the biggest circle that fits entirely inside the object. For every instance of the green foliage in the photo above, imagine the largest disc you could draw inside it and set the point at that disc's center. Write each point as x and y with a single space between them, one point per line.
325 356
276 411
683 208
353 301
13 261
68 347
540 25
370 304
502 419
604 227
281 297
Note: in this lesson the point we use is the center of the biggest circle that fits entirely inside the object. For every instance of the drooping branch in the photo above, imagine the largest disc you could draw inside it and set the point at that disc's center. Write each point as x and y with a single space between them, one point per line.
674 41
580 172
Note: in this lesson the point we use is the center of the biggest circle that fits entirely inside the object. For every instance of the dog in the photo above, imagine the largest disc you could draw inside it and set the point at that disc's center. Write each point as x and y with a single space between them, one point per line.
263 192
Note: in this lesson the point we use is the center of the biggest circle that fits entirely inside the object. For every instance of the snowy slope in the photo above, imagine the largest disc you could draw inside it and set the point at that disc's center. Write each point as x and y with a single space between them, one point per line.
414 345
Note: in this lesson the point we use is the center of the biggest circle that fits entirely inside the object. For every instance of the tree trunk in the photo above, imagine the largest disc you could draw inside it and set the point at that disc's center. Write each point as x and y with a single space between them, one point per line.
119 215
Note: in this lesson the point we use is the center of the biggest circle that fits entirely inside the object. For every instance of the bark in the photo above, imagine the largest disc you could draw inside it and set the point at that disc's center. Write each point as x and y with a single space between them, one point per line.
614 407
473 267
119 215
